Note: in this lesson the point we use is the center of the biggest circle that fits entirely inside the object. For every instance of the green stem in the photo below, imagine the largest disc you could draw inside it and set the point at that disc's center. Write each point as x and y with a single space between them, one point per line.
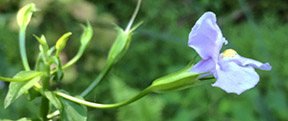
44 108
21 79
73 60
98 79
23 49
105 106
133 17
110 64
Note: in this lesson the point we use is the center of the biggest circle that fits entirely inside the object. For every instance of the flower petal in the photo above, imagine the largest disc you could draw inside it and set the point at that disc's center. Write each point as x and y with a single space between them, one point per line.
206 37
234 78
204 66
250 62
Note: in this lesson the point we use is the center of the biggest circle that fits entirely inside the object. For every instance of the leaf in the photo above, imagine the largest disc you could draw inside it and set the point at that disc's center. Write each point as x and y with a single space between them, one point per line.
149 108
72 111
54 100
24 119
16 89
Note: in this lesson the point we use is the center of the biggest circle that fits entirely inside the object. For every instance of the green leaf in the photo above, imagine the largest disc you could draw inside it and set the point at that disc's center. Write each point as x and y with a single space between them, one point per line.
16 89
54 100
73 111
23 119
149 108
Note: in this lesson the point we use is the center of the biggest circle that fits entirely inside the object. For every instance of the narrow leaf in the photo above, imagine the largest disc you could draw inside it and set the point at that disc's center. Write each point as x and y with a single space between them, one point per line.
53 99
73 111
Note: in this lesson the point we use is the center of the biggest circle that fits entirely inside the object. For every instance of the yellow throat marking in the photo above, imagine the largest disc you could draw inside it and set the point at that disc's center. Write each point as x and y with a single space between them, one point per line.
229 53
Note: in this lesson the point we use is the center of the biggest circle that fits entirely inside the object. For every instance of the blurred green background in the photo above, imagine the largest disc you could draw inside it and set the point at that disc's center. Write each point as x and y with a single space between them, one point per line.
256 29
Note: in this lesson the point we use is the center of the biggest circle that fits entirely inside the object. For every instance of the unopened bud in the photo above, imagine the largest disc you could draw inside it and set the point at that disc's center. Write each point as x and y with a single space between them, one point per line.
61 43
24 14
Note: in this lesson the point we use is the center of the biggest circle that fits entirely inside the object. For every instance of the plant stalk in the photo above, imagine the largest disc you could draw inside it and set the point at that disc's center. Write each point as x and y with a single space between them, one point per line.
105 106
100 77
23 48
44 108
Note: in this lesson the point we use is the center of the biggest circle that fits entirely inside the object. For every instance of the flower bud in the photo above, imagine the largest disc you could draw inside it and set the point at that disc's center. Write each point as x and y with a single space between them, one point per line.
61 43
24 14
87 34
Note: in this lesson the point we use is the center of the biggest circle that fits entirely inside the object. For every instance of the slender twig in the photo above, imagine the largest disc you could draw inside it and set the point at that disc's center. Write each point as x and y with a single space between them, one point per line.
100 77
104 106
107 67
21 79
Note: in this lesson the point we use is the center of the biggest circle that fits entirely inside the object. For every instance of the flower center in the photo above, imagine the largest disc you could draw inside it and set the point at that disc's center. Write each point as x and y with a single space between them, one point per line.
229 53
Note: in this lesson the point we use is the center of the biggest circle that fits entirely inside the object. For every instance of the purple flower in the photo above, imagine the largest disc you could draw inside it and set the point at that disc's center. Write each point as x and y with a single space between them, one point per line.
234 73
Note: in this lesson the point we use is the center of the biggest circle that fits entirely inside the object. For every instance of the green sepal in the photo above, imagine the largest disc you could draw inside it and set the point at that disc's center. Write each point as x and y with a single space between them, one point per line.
61 43
119 46
24 14
176 81
87 34
16 89
44 48
59 74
